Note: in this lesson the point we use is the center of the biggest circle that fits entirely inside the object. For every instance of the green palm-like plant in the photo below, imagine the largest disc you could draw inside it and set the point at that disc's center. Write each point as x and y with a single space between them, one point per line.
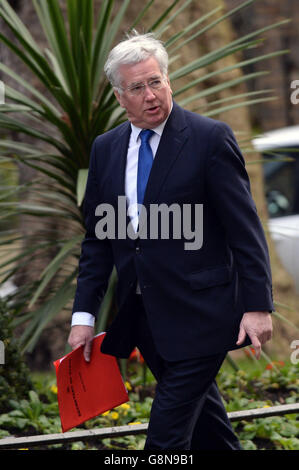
78 104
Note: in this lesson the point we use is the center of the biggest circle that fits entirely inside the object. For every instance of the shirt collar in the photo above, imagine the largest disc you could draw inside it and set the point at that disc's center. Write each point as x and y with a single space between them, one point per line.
159 129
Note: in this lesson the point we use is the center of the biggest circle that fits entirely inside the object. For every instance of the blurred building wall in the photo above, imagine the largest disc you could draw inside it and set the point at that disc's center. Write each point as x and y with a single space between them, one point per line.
283 69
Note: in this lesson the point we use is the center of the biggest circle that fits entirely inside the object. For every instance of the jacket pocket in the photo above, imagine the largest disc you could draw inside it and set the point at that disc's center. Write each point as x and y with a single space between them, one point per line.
210 277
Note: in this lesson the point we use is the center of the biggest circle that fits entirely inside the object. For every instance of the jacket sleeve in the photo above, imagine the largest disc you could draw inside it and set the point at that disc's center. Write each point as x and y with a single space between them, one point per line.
230 195
96 260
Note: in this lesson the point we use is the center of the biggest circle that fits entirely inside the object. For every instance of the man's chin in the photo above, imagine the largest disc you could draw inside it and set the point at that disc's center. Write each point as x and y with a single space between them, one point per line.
154 120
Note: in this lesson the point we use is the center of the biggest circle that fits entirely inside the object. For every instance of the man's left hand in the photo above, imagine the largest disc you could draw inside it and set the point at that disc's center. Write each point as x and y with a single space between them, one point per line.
258 326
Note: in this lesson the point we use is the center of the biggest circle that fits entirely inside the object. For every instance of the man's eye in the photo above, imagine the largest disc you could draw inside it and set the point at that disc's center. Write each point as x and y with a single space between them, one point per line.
136 88
155 83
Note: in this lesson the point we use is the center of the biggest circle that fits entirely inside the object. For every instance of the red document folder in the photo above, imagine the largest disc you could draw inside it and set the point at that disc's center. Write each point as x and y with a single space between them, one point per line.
88 389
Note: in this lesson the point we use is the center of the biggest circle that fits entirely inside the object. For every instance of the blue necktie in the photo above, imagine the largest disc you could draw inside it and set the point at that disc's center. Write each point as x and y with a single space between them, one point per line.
145 161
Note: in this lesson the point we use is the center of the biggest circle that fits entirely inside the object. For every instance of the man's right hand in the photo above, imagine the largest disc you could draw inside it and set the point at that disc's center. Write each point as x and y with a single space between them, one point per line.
82 335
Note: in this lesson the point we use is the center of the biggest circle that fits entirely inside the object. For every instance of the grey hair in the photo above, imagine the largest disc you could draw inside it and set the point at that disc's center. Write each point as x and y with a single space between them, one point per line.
134 49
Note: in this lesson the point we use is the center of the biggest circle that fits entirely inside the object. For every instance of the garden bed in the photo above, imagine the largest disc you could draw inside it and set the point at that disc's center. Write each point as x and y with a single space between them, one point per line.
257 388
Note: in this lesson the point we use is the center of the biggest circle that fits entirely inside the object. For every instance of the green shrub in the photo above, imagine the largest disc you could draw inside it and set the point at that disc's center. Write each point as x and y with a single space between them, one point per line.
276 384
31 415
14 375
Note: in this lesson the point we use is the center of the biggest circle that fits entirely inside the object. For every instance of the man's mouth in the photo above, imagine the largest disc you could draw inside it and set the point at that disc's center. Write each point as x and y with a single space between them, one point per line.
153 109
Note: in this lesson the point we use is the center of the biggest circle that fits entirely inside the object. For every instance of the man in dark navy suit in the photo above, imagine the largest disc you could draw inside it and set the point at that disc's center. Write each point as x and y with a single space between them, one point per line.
184 304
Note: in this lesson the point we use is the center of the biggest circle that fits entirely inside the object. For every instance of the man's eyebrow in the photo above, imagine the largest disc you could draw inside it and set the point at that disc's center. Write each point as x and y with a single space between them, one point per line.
135 83
154 77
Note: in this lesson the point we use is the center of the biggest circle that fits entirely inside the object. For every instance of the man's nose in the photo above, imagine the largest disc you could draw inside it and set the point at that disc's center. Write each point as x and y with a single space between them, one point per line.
148 93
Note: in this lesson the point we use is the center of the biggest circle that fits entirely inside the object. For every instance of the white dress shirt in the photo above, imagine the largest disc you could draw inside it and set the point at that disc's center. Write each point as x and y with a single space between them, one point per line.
84 318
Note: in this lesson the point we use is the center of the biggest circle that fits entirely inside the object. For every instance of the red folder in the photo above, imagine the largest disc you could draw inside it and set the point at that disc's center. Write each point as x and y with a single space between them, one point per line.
88 389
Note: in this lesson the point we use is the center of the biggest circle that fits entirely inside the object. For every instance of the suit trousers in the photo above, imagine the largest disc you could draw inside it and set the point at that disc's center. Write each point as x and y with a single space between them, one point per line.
187 411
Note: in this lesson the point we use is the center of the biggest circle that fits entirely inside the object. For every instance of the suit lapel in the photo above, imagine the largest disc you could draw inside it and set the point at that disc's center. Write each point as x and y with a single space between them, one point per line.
172 141
119 156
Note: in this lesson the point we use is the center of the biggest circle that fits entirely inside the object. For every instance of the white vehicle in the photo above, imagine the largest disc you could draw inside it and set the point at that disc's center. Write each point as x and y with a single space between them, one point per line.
280 149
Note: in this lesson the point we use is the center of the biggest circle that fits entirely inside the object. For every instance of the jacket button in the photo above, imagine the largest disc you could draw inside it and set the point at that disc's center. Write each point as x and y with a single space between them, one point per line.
137 249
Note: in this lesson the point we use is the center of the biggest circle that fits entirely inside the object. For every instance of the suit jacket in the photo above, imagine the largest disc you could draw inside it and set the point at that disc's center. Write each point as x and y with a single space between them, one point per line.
194 299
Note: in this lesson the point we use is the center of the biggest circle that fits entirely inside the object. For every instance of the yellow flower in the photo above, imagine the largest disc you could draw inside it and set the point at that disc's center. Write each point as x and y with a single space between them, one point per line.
106 413
128 386
53 388
114 415
135 422
125 406
266 406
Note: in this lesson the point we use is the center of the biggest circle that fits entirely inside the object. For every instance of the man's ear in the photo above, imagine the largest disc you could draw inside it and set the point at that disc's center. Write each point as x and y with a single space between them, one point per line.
119 98
168 82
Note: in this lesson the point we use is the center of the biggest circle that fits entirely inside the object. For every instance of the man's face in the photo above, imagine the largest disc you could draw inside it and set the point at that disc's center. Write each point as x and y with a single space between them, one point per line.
152 106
